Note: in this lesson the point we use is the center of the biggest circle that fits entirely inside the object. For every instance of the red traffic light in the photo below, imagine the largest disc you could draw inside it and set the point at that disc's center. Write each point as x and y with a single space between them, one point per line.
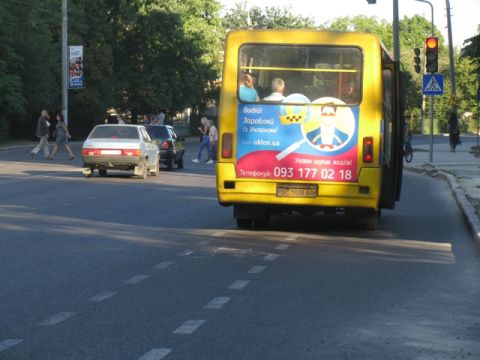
431 42
431 54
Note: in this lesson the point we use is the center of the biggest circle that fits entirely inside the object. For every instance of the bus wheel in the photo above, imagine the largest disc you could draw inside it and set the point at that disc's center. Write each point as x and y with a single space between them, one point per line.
261 223
244 223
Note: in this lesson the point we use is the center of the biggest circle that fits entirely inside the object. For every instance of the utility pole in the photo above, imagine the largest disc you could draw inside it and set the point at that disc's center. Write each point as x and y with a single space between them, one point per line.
453 95
64 61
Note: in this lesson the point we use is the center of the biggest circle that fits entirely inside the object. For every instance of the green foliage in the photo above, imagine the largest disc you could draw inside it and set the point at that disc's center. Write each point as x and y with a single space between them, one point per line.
269 18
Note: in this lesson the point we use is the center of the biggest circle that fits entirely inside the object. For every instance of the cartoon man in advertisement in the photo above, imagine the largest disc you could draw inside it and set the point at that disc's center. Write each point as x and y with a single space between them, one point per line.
298 139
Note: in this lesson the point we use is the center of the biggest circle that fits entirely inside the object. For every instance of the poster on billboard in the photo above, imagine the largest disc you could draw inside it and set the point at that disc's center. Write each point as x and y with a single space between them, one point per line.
75 67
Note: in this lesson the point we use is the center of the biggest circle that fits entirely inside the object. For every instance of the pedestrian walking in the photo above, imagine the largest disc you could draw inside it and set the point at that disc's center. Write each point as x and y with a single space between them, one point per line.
213 135
453 131
62 135
204 141
42 132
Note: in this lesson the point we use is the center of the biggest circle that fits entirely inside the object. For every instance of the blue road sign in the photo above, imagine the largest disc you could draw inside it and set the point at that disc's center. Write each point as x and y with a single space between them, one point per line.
433 84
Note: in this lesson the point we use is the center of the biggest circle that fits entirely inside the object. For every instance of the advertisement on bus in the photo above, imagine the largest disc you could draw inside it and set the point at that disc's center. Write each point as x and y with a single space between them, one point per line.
298 140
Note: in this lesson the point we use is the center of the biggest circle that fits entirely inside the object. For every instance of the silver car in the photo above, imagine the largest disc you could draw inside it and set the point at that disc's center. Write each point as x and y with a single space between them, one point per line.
120 147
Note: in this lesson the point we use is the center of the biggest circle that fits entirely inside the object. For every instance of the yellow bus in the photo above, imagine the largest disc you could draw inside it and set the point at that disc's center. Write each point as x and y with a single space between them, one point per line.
309 121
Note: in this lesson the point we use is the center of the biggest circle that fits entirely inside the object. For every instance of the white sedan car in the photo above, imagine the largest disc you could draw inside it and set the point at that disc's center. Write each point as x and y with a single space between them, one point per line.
120 147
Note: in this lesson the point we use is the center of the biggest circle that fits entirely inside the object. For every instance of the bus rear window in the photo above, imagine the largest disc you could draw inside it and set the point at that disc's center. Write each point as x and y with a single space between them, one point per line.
271 73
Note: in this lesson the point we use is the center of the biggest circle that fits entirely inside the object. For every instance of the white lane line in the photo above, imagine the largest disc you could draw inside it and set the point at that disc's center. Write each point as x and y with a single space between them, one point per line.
256 269
204 242
102 296
189 327
57 318
156 354
136 279
282 246
238 285
217 302
218 233
163 265
186 253
8 343
270 257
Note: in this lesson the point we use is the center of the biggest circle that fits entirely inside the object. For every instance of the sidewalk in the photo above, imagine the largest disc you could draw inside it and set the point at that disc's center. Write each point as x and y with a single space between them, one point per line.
461 170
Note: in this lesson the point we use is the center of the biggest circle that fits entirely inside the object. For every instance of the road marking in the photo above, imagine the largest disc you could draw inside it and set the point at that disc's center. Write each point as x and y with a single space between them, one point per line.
136 279
238 285
256 269
218 233
282 246
163 265
217 302
102 296
5 344
291 237
189 327
204 242
156 354
270 257
57 318
186 253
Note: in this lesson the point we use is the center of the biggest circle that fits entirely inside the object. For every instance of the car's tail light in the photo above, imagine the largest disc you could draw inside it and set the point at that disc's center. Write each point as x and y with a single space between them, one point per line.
117 152
131 152
367 149
165 145
227 142
89 152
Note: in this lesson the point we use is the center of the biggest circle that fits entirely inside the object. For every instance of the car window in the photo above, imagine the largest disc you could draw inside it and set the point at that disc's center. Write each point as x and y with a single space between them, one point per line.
145 135
114 132
158 132
173 134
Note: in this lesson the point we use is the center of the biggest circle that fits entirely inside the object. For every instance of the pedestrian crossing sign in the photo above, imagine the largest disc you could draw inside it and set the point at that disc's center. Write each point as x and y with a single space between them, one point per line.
433 84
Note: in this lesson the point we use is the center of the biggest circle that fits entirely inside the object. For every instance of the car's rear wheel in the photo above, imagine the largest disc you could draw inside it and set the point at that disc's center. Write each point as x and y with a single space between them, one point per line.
143 165
102 172
170 164
156 170
180 163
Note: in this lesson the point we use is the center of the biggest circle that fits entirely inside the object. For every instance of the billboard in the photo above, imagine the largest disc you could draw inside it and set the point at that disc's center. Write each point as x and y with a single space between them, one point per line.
75 67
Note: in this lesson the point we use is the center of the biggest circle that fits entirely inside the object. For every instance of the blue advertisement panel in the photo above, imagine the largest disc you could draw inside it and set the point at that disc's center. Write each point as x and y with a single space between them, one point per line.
75 67
298 140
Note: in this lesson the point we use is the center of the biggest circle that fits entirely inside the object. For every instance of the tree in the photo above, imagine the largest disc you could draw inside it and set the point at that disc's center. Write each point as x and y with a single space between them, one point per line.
273 17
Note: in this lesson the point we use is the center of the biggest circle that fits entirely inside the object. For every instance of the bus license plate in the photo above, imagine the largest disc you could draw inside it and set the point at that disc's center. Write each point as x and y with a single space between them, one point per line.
287 190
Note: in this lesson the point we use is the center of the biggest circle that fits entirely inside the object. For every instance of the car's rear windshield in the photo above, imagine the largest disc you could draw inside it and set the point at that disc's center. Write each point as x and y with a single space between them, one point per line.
157 132
114 132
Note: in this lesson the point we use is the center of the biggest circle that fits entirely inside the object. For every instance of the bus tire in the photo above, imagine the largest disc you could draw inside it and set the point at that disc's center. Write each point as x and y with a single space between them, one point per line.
261 223
244 223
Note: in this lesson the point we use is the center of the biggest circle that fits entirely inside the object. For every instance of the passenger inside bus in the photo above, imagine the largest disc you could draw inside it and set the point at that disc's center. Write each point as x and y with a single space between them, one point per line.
278 87
247 90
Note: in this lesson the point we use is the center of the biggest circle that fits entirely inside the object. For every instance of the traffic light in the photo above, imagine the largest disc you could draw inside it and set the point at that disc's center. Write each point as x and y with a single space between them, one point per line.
431 54
416 58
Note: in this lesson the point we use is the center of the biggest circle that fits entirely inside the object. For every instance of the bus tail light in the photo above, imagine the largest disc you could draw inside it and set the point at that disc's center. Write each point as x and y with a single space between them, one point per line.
367 149
227 141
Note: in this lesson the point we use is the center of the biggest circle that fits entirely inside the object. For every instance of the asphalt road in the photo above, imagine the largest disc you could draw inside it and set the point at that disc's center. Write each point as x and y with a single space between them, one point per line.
123 268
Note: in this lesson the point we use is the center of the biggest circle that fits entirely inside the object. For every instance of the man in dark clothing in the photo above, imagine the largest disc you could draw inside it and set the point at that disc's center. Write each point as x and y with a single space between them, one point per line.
453 131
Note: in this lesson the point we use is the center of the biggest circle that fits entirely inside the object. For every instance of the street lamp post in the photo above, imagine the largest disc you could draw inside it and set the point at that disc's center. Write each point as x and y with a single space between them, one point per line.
64 62
453 90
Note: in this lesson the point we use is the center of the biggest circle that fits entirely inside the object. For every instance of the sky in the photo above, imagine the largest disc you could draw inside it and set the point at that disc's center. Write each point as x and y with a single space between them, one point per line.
464 13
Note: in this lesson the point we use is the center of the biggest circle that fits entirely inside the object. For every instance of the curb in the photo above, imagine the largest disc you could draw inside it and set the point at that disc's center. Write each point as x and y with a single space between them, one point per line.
466 208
